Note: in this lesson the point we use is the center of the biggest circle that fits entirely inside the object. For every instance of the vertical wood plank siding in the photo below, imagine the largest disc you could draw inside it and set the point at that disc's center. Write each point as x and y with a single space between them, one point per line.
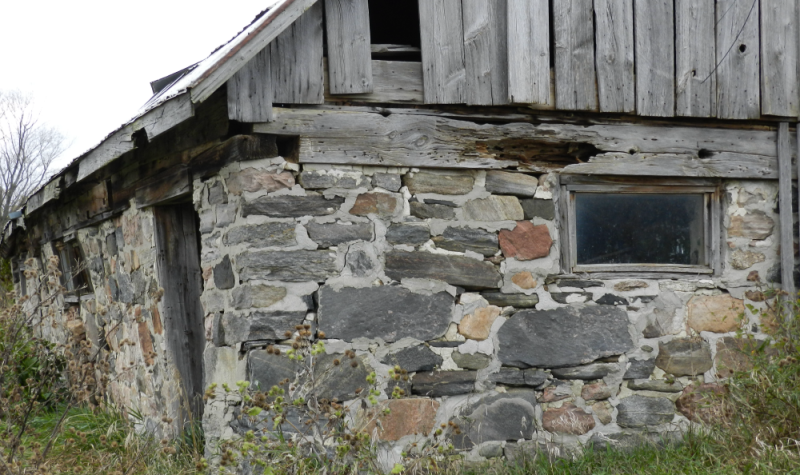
576 84
614 39
779 58
529 52
250 92
695 58
296 61
349 57
738 59
442 38
485 52
785 205
655 58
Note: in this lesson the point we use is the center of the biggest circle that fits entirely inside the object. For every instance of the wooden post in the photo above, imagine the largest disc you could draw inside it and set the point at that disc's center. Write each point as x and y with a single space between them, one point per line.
785 203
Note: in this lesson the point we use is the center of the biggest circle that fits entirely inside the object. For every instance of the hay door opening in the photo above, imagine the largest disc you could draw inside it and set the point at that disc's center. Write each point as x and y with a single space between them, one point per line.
178 248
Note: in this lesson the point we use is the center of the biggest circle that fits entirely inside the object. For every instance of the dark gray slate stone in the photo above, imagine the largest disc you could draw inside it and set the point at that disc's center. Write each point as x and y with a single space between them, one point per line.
468 239
641 411
446 344
587 372
249 296
265 370
497 417
290 266
684 357
455 270
113 289
387 312
533 208
262 235
561 297
292 206
327 235
433 211
640 369
511 300
515 377
507 183
126 292
431 201
579 284
217 195
341 381
387 181
312 180
659 385
359 263
562 337
411 234
443 184
536 378
609 299
111 244
443 383
223 274
259 326
414 359
627 441
467 361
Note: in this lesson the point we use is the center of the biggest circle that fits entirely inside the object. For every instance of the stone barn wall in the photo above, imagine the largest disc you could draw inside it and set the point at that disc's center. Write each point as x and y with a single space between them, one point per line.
454 275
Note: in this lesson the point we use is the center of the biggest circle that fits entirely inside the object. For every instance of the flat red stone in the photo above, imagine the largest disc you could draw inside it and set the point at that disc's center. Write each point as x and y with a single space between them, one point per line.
526 241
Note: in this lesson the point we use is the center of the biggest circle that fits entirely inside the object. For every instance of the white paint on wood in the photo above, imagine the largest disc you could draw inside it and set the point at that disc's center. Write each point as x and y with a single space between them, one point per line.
738 59
442 38
655 58
779 91
485 53
616 88
528 27
393 81
349 54
785 204
576 83
695 59
296 61
250 92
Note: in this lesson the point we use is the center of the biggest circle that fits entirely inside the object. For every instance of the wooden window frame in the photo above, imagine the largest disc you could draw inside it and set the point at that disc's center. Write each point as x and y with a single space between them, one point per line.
72 264
571 184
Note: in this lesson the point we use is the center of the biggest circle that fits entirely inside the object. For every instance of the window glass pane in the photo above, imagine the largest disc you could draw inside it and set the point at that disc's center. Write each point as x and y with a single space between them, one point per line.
640 228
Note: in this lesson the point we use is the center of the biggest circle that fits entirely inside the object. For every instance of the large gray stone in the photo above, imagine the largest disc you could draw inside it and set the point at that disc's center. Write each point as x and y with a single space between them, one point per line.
431 211
497 417
456 270
511 300
318 179
414 359
256 296
340 381
265 370
223 274
259 325
587 372
562 337
507 183
216 194
262 235
290 266
684 357
494 208
467 361
468 239
327 235
387 181
627 441
443 184
534 378
640 369
386 312
536 208
443 383
641 411
292 206
410 234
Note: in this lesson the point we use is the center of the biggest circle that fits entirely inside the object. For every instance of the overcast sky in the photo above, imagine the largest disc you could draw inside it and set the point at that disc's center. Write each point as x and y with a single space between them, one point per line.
89 63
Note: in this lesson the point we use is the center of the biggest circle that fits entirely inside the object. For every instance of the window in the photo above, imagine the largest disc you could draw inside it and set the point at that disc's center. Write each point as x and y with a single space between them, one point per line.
616 225
74 274
394 30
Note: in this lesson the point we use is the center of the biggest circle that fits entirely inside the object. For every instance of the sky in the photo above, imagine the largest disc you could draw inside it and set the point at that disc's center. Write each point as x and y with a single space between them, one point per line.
89 64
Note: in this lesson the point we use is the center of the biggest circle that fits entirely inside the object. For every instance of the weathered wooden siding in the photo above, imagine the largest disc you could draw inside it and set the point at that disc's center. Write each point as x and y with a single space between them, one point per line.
655 58
738 60
576 83
615 58
695 59
349 42
779 92
529 52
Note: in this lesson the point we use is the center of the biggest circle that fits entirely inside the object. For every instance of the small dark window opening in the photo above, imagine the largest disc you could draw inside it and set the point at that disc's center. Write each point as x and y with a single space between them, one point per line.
18 276
72 264
394 30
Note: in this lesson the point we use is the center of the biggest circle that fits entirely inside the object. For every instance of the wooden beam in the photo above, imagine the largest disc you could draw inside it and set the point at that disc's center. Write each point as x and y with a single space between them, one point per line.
738 59
442 37
779 58
785 205
614 43
239 148
349 53
529 52
485 52
296 60
49 193
392 81
576 84
250 91
655 58
695 59
172 184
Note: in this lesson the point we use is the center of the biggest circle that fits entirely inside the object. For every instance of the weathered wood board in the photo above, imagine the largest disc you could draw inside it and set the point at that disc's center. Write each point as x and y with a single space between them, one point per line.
738 58
784 152
296 61
655 57
616 87
485 52
576 84
695 59
349 54
529 52
392 81
250 91
779 58
442 37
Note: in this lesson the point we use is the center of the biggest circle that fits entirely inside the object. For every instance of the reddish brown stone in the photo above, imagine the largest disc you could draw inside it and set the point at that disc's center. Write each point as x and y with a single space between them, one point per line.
596 392
146 343
603 411
476 326
753 225
381 204
555 393
753 276
405 417
703 403
526 241
524 280
157 327
736 354
76 327
755 295
253 179
568 419
715 313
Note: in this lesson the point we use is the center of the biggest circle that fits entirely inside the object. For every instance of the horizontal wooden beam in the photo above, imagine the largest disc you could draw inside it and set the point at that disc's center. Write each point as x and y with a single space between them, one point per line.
392 81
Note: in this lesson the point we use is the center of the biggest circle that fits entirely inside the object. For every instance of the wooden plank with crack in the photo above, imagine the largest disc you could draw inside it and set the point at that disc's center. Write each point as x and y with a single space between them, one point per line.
442 38
695 59
349 52
485 52
529 52
779 58
616 87
738 88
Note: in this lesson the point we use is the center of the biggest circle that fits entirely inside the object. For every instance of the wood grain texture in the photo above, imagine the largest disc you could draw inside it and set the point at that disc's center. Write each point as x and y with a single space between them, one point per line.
392 81
616 88
485 52
785 204
695 59
738 58
442 38
576 83
655 58
779 58
349 53
171 184
296 61
528 47
250 91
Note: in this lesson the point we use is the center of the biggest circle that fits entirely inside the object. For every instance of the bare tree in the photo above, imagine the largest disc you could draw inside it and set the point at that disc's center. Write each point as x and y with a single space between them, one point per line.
27 150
